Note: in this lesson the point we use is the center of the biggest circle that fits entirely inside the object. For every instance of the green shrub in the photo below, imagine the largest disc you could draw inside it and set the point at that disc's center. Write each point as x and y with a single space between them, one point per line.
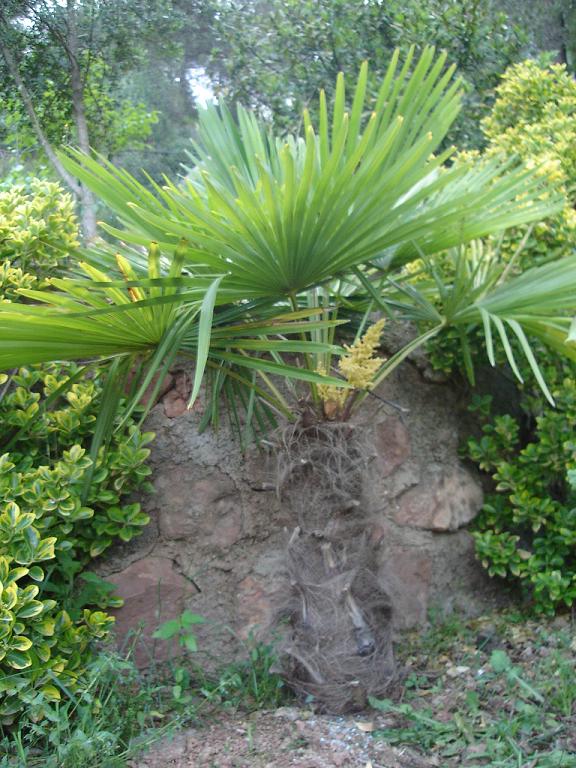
52 465
101 727
45 518
13 278
534 119
534 115
527 530
51 521
42 651
38 227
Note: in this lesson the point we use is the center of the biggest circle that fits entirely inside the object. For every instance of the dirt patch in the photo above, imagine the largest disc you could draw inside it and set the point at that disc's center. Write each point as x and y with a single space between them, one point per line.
281 739
493 691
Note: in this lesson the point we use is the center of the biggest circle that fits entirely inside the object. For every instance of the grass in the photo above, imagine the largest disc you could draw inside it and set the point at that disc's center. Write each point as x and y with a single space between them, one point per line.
249 684
494 692
101 727
499 691
122 710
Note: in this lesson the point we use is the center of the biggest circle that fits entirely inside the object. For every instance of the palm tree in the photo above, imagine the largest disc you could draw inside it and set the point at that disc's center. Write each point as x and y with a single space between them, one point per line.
251 257
263 225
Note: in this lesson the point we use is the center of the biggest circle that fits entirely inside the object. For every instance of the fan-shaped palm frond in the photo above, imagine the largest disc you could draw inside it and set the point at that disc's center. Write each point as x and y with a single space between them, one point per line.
473 289
268 221
140 324
277 216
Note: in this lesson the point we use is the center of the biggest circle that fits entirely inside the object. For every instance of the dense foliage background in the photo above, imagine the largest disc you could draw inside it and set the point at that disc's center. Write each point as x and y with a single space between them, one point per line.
126 77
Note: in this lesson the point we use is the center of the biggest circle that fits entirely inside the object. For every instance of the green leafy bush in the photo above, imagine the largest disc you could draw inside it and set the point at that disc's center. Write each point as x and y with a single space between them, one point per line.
42 651
12 279
45 518
276 57
534 119
58 508
527 531
535 114
51 461
38 227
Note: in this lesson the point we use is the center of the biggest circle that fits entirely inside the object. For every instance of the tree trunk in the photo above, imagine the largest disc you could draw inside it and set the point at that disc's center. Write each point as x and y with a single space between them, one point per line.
88 204
84 196
31 112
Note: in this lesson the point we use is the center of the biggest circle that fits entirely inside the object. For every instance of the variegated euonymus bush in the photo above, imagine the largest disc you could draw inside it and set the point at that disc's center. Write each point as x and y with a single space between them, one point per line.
42 650
37 225
50 529
58 507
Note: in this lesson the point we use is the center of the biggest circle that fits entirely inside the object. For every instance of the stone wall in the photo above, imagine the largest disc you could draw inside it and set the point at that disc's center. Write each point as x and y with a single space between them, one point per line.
218 529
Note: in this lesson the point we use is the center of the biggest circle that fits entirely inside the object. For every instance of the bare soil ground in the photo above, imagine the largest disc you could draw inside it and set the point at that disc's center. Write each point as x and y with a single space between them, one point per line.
497 691
282 739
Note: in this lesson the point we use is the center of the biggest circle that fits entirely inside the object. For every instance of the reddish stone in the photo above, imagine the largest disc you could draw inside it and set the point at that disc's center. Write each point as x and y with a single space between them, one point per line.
451 501
406 574
183 384
254 606
165 386
153 592
257 594
392 443
209 508
174 405
176 401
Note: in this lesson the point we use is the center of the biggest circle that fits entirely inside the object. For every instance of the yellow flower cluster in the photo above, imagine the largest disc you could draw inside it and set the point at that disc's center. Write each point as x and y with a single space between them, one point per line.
416 270
333 398
358 366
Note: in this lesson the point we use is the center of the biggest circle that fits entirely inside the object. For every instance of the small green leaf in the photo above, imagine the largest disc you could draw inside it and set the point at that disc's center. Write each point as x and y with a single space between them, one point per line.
167 630
187 619
190 643
51 692
36 573
31 609
17 573
20 643
46 549
32 537
18 659
500 661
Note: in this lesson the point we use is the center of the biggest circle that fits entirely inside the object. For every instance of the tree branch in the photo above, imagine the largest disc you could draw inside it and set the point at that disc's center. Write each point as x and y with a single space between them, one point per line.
14 70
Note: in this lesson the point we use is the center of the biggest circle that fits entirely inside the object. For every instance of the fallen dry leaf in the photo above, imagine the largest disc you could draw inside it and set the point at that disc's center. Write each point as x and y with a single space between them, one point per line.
364 726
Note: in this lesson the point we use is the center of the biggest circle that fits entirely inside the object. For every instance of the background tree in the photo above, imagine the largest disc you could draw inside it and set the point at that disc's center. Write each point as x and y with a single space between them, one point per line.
276 55
63 65
552 24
